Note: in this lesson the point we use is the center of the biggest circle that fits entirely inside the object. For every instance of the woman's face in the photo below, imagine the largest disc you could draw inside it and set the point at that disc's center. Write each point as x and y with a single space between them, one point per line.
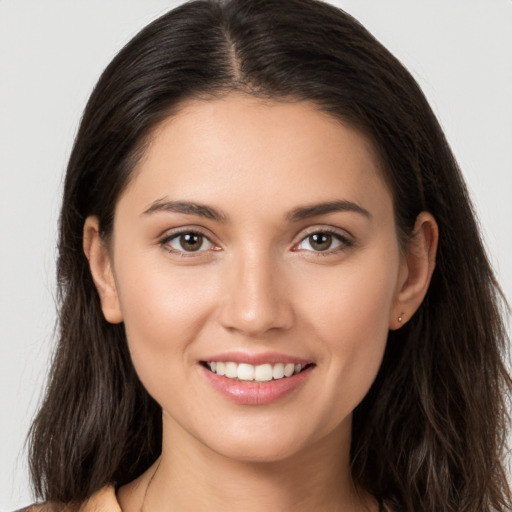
256 236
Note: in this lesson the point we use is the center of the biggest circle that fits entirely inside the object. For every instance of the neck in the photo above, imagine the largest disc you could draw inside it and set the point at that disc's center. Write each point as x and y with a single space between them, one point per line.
190 476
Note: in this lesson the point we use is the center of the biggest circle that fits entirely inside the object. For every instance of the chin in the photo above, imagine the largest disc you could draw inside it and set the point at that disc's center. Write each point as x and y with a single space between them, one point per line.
273 450
266 443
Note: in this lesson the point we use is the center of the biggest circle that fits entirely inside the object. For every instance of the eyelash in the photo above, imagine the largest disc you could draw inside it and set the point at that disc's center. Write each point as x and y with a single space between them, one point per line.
345 242
183 253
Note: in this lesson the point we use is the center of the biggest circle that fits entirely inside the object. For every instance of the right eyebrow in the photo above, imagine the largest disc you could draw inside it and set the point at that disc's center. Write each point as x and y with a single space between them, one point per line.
186 207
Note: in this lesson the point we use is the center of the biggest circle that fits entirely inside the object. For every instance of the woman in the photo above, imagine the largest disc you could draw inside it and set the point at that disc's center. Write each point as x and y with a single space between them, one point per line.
273 288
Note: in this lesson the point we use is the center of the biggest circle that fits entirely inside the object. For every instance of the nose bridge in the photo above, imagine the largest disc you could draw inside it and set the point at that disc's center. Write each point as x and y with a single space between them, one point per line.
254 301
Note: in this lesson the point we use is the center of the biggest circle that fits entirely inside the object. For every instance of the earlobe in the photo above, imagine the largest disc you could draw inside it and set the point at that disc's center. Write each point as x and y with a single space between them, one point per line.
101 270
418 267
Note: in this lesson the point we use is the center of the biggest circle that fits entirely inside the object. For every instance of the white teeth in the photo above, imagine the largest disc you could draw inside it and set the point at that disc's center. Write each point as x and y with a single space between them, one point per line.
289 368
231 370
263 373
278 371
220 369
260 373
245 371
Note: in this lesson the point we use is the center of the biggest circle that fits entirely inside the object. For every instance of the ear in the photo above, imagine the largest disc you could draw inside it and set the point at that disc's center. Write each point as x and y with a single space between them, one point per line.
101 271
418 265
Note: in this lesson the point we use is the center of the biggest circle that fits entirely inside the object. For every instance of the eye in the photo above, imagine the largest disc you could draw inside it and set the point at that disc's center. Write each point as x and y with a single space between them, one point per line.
322 241
187 241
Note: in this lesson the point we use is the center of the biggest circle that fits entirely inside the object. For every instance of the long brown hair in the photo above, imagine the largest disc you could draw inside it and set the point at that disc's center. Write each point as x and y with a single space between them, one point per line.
430 434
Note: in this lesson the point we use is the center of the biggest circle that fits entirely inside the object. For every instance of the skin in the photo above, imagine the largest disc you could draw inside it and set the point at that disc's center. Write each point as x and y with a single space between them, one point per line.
258 283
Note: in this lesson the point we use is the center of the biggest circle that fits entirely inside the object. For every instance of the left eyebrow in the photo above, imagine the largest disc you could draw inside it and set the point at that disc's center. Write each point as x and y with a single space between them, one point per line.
306 212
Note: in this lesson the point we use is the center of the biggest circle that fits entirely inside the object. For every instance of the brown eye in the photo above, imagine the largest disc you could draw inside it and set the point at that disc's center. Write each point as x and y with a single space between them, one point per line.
188 242
323 241
191 241
320 241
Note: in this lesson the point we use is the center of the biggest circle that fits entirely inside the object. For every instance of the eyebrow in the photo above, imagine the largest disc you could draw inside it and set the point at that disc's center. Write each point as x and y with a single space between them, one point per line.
186 207
295 215
306 212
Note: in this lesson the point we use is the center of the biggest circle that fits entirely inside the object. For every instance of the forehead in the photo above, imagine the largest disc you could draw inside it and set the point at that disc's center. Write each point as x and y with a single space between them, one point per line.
289 151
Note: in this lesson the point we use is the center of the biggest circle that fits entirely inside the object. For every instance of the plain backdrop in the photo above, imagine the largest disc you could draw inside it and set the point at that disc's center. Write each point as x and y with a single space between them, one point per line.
51 54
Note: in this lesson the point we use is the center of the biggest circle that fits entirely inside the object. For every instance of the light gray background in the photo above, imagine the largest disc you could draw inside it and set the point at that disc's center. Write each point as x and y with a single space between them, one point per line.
52 52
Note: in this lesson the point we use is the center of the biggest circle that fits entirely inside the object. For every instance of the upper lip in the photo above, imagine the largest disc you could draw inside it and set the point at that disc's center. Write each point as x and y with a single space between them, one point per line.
256 359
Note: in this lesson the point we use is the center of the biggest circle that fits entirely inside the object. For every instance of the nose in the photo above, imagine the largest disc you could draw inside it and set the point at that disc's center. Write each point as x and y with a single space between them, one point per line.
256 299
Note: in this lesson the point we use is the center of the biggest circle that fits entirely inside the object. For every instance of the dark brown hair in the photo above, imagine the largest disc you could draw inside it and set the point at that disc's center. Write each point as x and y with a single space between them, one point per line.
430 434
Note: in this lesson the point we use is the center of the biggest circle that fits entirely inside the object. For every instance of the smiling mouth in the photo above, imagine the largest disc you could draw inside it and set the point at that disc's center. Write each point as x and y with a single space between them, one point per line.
255 373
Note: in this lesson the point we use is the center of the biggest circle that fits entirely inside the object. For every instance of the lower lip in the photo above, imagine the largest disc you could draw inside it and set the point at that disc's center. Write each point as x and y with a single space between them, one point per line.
256 393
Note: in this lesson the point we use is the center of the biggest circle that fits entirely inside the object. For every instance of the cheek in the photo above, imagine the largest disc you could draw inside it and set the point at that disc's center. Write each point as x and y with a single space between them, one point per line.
349 316
355 299
163 311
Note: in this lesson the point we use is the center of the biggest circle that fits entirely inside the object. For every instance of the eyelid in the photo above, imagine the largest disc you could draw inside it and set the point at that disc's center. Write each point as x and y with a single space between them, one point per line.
172 234
347 239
